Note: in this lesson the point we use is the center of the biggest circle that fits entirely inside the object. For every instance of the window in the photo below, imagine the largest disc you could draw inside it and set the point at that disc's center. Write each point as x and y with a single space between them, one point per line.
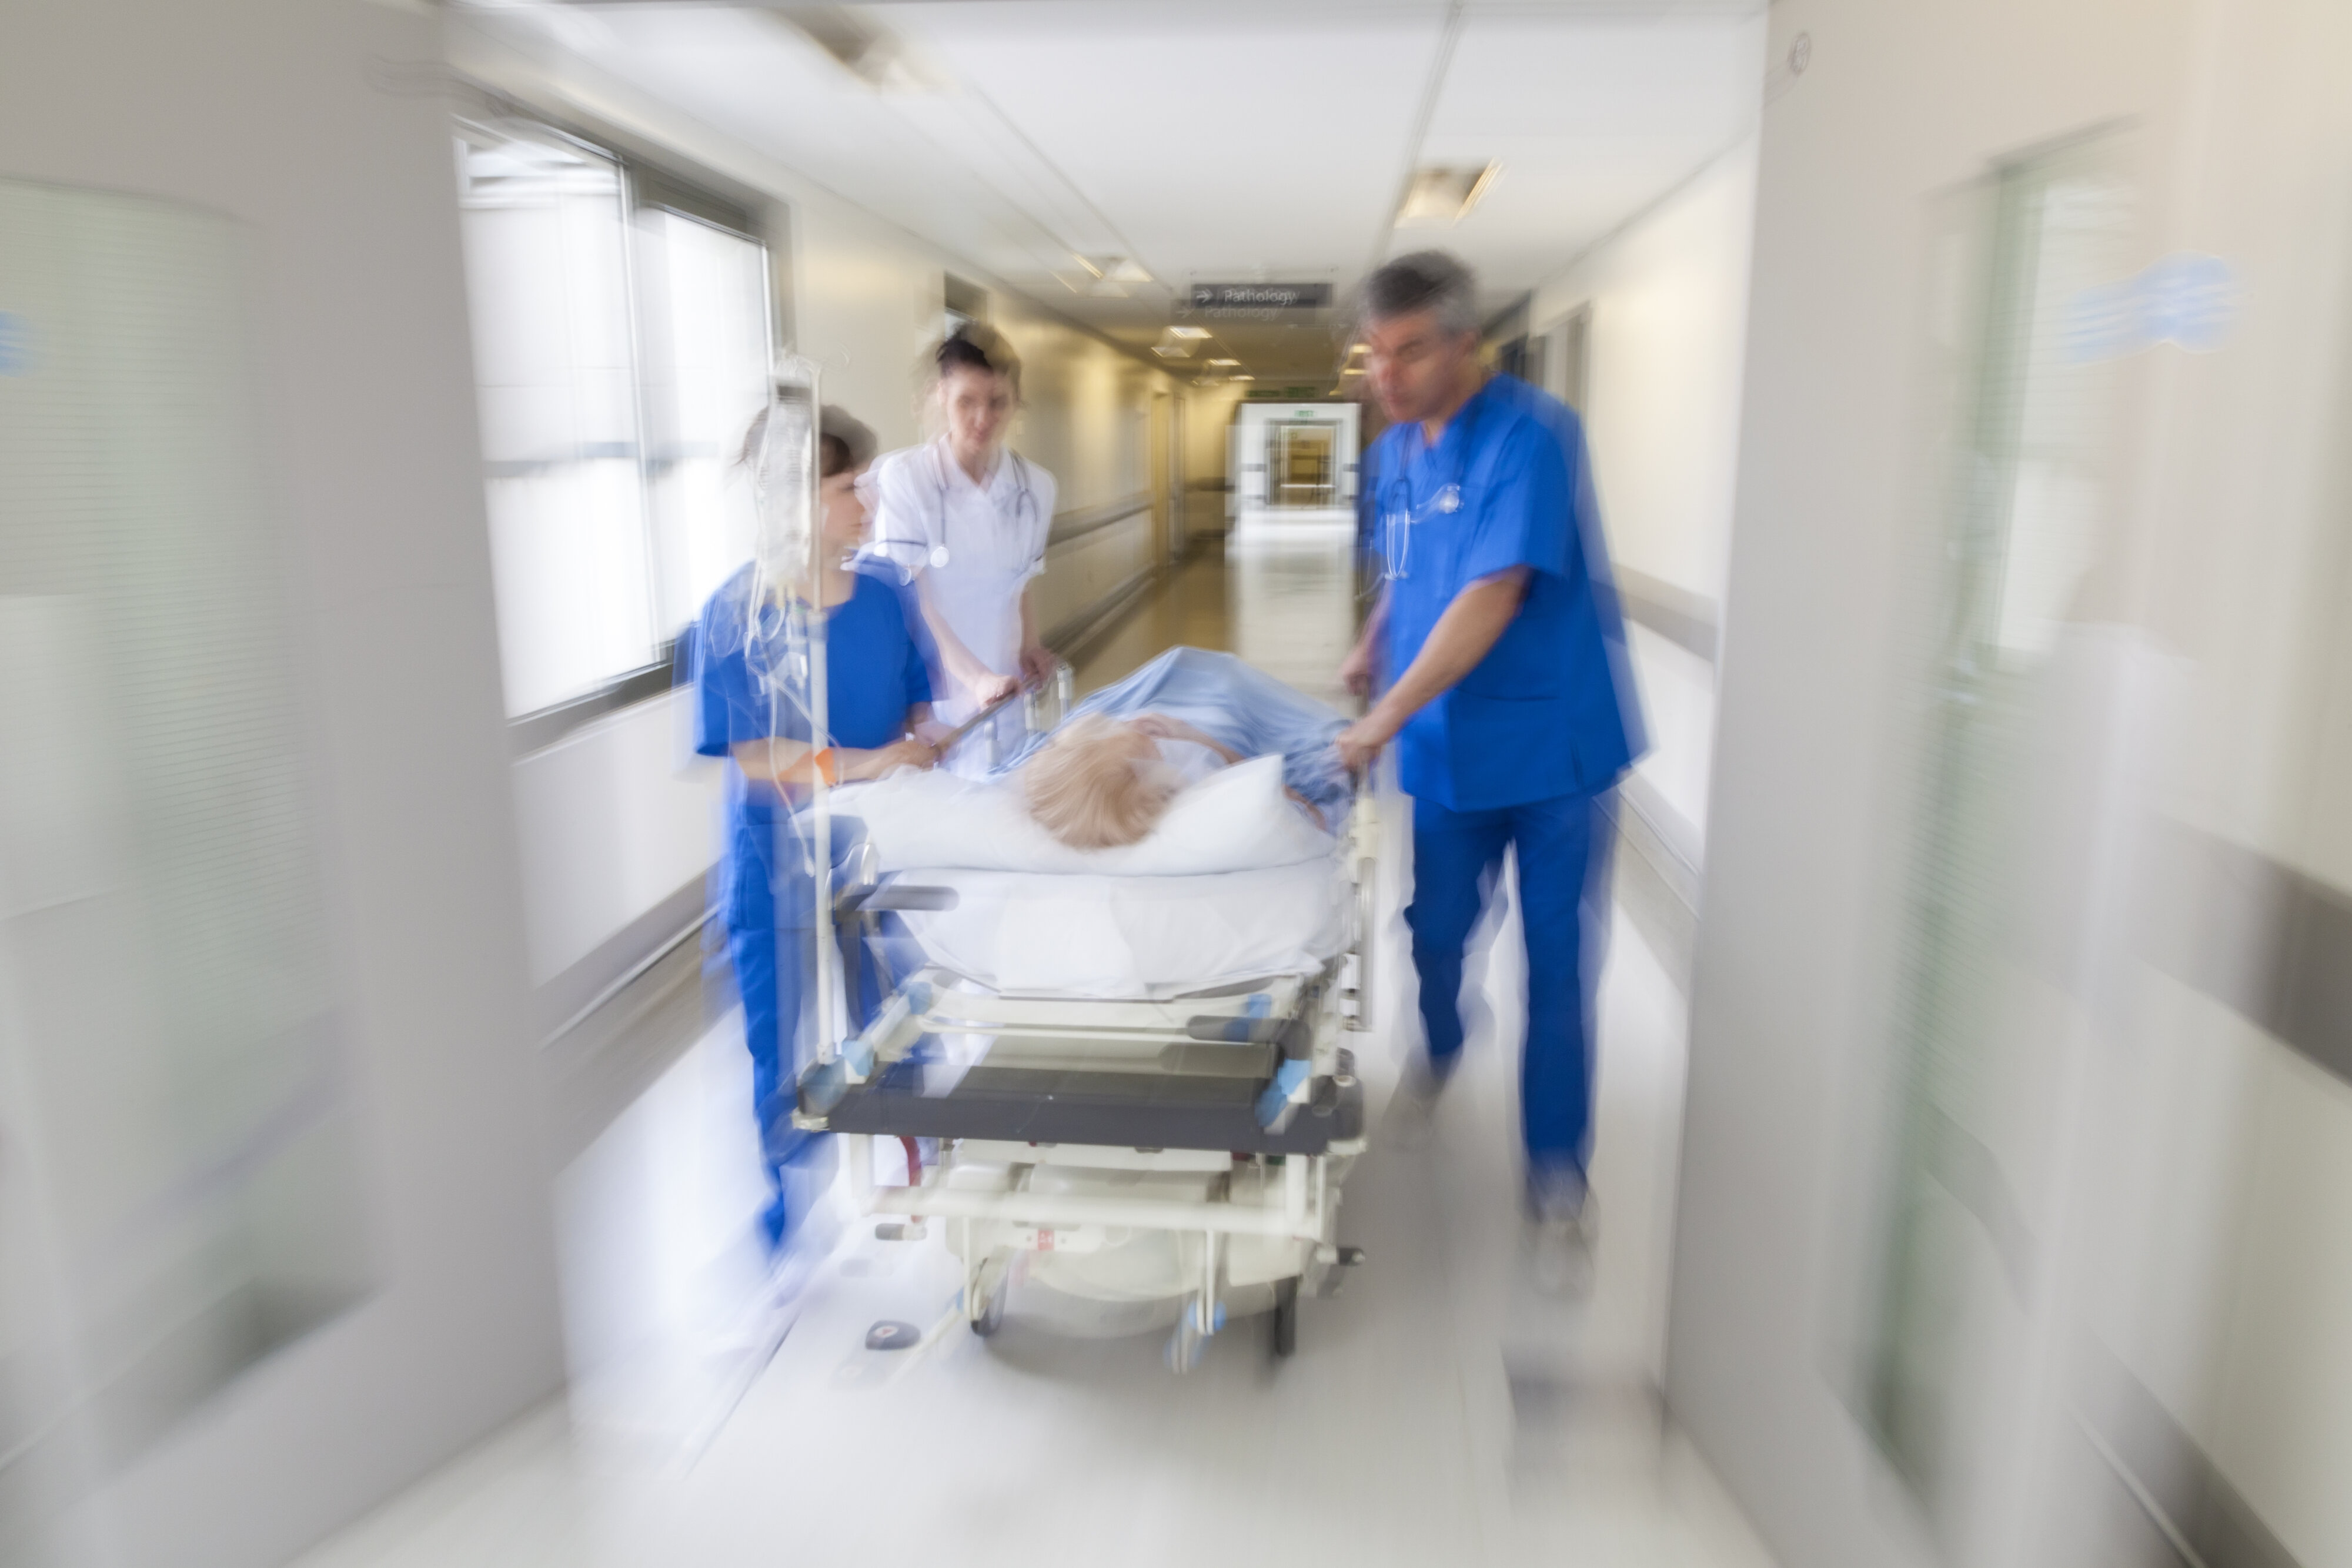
621 346
704 323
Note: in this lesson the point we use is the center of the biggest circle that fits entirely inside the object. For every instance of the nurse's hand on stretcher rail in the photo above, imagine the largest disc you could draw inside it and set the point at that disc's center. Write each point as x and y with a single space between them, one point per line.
987 686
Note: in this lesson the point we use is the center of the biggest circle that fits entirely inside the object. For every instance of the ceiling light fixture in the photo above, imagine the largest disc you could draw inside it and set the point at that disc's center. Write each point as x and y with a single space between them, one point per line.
1193 332
1240 378
1225 364
1444 196
877 58
1115 268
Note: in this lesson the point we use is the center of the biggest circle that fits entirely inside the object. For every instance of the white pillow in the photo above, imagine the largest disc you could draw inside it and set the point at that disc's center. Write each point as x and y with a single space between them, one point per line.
1237 818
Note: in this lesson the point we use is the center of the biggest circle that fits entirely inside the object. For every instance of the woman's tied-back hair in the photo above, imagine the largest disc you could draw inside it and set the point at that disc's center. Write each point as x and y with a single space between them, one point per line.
1097 784
975 346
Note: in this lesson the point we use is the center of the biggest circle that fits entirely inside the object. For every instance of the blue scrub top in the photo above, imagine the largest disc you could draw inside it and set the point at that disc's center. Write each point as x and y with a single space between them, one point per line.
874 673
1550 710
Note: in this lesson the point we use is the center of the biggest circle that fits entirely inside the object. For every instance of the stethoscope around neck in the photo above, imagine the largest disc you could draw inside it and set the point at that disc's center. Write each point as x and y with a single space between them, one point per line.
1397 523
938 556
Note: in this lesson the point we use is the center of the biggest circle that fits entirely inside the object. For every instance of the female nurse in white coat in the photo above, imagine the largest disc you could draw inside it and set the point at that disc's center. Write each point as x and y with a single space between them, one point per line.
966 520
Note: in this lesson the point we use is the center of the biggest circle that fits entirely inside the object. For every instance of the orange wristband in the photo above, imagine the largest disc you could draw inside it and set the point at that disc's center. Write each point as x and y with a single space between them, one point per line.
827 765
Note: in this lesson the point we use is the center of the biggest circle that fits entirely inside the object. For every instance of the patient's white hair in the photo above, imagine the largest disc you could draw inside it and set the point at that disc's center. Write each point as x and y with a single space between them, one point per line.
1099 784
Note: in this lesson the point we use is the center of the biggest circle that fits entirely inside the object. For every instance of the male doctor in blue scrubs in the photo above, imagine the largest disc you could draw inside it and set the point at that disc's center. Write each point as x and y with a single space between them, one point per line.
1498 641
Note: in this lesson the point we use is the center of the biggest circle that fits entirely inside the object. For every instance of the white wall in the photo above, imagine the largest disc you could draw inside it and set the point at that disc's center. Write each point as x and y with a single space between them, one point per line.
1208 416
612 821
1087 422
2225 551
283 117
2238 554
1668 298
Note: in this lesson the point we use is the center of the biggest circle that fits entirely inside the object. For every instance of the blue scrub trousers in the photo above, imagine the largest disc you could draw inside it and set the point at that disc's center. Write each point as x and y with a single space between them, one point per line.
771 965
1562 847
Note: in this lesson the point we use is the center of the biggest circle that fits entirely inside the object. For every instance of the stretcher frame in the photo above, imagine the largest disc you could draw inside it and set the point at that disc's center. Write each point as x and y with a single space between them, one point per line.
1122 1086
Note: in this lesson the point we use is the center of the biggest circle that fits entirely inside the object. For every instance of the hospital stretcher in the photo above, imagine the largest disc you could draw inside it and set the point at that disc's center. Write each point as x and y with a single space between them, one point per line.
1185 1145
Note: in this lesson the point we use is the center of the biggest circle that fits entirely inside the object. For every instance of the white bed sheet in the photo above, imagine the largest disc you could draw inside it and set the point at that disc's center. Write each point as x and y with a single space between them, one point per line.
1134 936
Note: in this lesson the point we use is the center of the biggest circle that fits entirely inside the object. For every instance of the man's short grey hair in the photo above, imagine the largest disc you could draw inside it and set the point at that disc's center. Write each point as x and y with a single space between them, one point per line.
1426 280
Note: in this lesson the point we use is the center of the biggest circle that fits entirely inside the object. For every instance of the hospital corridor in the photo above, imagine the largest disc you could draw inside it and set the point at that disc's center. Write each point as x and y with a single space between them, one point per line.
1506 782
1436 1410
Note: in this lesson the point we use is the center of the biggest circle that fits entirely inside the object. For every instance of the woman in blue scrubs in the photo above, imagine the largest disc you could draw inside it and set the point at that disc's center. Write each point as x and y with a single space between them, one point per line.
878 706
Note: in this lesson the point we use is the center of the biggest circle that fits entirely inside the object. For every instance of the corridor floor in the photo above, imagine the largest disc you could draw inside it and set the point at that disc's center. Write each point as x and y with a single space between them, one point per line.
1437 1412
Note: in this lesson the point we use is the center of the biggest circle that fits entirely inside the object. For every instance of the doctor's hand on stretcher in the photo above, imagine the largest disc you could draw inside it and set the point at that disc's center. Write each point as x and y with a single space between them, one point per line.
1362 741
1464 633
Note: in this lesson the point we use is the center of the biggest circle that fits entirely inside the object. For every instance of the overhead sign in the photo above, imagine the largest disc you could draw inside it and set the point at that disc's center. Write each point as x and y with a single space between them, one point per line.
1258 299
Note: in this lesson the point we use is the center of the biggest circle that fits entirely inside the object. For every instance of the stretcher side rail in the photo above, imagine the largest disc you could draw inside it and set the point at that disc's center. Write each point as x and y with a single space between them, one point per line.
1205 1113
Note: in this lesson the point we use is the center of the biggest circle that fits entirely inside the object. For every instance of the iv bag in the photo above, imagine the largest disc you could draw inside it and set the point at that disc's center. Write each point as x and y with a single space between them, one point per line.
783 461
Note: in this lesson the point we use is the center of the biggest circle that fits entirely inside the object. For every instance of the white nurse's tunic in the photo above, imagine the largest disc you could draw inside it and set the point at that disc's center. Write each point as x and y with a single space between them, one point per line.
977 544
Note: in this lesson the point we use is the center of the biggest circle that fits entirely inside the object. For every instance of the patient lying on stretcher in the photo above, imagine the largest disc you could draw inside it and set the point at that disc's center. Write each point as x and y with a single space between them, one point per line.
1107 775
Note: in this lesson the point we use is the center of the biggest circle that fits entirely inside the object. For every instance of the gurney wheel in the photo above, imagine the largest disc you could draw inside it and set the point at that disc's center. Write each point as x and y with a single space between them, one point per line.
993 1284
1286 1317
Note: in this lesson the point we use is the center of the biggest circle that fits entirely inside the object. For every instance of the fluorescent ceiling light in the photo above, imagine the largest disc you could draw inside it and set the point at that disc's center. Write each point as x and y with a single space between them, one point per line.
1115 268
1226 364
1172 350
876 57
1188 332
1439 195
1240 378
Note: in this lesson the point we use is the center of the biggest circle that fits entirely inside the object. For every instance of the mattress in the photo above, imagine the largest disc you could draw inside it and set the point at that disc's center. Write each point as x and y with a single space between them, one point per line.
1133 936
